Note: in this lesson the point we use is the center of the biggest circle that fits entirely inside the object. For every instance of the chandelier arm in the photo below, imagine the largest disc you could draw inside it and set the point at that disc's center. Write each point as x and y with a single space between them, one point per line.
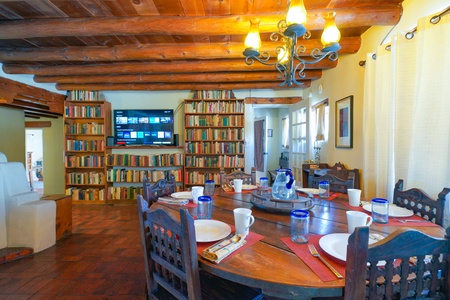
263 58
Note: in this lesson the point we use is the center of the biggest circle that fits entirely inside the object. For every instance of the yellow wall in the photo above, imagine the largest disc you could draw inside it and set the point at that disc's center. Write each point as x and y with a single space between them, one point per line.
12 134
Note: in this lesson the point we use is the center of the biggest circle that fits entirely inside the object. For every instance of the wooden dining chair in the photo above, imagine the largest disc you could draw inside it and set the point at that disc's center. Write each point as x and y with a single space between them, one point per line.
171 260
151 192
420 203
337 184
238 174
406 264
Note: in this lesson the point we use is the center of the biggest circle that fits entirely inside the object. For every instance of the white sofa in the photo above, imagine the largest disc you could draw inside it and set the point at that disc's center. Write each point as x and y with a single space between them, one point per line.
30 221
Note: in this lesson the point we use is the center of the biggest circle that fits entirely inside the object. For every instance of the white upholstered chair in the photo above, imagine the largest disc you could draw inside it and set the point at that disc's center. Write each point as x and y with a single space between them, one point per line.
29 221
3 236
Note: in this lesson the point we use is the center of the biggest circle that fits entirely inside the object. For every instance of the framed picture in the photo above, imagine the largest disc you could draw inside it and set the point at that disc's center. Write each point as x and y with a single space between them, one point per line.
269 132
344 122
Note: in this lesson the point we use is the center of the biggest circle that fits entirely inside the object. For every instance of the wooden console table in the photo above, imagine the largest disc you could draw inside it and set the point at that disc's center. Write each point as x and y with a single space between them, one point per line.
63 214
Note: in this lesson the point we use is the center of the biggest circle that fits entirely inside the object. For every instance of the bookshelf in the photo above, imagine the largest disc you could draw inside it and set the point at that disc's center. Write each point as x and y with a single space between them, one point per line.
87 123
214 135
128 165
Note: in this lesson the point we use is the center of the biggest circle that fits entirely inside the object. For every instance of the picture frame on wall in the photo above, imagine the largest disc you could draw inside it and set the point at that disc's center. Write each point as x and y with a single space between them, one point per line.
344 123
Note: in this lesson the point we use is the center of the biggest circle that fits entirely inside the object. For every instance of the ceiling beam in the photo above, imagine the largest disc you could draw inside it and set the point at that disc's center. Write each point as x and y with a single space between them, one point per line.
163 52
176 78
275 100
182 86
189 25
219 65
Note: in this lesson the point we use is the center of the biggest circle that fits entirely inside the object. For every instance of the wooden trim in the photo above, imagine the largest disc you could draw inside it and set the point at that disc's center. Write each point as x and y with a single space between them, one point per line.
276 100
38 124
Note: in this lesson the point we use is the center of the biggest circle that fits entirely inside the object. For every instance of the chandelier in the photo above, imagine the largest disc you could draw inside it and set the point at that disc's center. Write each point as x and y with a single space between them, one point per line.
291 60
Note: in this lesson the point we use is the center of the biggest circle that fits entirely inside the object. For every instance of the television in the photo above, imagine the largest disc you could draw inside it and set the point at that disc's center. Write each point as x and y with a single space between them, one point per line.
144 127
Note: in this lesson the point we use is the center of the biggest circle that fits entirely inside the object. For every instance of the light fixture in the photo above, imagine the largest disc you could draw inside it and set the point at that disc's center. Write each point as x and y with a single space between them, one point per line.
291 62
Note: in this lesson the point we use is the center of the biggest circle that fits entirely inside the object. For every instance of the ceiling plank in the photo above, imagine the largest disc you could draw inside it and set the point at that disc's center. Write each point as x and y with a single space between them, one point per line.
157 51
214 66
180 78
183 86
190 25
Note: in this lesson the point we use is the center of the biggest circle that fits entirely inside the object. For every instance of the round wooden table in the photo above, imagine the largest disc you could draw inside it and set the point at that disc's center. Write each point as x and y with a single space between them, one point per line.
269 264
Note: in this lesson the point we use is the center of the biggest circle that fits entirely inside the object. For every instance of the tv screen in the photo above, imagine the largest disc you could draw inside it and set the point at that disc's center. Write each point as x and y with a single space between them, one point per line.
143 126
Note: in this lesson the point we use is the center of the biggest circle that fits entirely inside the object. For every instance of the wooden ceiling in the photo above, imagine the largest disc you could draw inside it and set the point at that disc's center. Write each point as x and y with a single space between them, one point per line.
165 44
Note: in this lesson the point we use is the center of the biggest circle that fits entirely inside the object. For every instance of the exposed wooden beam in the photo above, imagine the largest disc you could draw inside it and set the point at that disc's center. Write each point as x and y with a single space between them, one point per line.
219 65
186 25
276 100
38 124
182 86
180 78
156 52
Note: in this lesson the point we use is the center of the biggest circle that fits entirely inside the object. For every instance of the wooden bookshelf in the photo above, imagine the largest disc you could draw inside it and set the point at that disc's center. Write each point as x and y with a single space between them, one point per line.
128 165
87 123
214 136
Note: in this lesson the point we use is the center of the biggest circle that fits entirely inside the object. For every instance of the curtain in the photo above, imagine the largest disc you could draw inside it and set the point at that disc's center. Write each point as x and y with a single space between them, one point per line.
320 122
407 112
259 145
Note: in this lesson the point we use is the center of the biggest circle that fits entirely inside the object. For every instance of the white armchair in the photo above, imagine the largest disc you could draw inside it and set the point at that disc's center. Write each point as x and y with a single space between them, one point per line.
3 236
30 222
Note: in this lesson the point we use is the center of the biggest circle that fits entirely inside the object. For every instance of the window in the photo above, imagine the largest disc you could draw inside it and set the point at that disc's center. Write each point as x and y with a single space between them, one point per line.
285 133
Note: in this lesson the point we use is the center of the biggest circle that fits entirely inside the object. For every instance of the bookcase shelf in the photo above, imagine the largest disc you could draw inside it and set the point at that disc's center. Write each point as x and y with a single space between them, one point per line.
213 135
87 123
128 165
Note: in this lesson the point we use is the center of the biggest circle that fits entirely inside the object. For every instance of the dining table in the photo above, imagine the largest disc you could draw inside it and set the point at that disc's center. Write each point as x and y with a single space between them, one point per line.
271 262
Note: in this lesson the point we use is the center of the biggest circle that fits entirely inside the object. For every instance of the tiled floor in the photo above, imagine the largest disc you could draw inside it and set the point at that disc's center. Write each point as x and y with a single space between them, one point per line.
102 259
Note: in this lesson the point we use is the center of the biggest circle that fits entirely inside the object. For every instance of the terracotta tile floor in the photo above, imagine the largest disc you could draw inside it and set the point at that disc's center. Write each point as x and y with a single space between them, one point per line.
102 259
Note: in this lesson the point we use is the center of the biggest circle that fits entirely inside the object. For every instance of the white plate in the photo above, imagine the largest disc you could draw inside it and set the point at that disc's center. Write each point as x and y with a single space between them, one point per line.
182 195
335 244
249 187
211 230
308 191
394 210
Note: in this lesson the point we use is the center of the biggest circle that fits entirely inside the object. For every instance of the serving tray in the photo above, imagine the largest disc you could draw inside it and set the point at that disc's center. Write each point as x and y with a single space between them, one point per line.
264 200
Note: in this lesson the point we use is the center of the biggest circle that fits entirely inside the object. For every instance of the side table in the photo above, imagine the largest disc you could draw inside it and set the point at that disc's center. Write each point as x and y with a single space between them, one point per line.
63 214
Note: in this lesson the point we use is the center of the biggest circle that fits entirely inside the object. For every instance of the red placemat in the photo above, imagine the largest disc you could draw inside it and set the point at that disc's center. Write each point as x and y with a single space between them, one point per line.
251 239
314 263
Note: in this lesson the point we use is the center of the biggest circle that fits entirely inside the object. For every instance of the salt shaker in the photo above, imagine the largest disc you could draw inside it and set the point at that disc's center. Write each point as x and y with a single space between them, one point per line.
300 226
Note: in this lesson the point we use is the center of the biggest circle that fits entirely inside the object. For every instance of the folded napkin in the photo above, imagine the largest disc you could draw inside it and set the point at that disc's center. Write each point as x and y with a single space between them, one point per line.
170 200
217 252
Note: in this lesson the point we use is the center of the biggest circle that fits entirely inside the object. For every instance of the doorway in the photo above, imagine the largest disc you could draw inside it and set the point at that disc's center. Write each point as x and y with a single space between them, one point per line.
34 159
260 162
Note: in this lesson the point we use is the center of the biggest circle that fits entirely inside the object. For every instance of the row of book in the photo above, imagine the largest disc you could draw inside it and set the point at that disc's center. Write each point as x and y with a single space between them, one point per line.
215 134
125 175
123 192
82 95
92 161
84 128
199 178
215 120
215 147
85 111
225 161
85 145
85 178
151 160
227 106
86 194
214 94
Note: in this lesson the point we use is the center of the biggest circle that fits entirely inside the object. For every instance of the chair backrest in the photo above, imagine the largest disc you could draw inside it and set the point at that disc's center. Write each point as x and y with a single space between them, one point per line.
405 264
238 174
161 188
338 170
3 157
420 203
142 207
336 184
172 253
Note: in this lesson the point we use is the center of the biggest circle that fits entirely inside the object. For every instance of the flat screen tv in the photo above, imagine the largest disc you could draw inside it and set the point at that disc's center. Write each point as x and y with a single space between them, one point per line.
143 126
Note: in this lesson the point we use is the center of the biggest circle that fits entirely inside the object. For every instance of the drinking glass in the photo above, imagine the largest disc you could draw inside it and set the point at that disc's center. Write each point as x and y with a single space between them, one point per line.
209 188
204 208
299 226
380 210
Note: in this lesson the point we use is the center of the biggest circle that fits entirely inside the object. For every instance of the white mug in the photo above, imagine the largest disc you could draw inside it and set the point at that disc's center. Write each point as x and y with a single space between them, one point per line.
354 197
197 191
237 185
357 219
243 219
